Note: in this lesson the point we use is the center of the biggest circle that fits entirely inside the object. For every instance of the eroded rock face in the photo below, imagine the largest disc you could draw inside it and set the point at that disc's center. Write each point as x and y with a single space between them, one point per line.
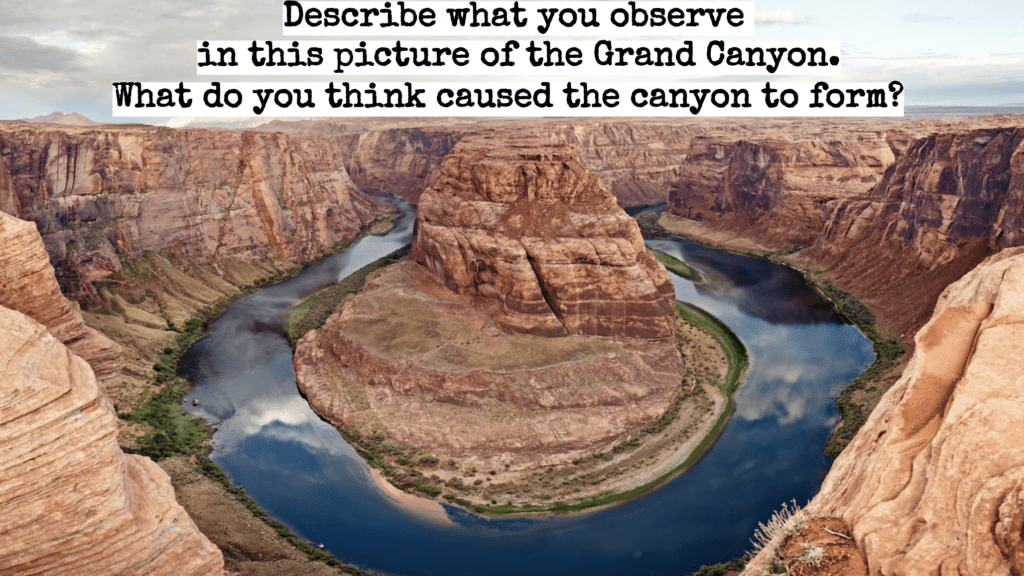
934 481
521 220
950 201
98 194
73 502
773 188
27 285
433 370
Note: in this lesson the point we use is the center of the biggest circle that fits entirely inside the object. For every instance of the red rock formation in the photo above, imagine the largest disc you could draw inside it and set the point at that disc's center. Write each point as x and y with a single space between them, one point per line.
774 189
27 284
403 162
520 219
72 502
430 369
933 481
96 191
951 200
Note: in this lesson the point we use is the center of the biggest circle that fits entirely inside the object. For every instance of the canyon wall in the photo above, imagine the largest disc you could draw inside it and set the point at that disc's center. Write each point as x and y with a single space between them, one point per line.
99 195
894 214
521 220
73 502
636 160
951 200
933 481
774 188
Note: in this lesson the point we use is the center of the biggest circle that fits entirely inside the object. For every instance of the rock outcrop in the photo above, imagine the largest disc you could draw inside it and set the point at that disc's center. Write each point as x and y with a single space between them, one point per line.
435 372
73 502
521 220
99 194
775 190
934 481
28 285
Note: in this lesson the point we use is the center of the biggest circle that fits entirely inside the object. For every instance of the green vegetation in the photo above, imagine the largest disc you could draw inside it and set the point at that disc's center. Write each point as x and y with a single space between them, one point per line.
888 351
648 222
312 312
214 472
173 431
735 565
678 266
854 408
734 349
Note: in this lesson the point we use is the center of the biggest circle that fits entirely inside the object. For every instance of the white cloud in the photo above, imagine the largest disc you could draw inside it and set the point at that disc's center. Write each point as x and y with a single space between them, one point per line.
773 17
924 18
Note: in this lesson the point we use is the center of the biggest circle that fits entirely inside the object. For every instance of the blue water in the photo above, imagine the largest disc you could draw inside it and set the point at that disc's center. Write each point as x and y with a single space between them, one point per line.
299 469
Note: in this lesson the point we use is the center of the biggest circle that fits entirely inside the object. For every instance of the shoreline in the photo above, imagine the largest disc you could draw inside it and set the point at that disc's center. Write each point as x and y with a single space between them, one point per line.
631 477
890 352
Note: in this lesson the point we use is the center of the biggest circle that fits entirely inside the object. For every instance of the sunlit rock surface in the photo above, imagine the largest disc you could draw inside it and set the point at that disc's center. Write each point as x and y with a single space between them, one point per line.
934 481
520 219
27 284
72 502
101 194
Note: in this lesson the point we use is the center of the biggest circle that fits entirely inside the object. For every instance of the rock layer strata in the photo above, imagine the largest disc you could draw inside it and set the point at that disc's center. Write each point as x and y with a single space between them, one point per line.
73 502
521 220
951 200
934 481
432 370
101 194
28 285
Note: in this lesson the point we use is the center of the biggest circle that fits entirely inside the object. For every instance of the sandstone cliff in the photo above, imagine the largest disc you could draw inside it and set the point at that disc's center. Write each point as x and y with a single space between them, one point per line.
100 194
951 200
27 285
636 160
73 502
520 219
933 481
894 212
775 189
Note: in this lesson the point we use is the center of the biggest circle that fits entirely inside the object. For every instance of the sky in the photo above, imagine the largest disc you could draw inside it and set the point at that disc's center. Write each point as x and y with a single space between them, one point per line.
64 55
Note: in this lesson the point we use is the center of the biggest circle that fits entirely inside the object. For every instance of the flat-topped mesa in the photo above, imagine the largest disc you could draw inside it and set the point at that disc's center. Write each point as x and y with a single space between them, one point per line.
522 220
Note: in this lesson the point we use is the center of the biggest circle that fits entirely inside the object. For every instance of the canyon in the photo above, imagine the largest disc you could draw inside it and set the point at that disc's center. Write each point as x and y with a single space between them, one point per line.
893 212
101 195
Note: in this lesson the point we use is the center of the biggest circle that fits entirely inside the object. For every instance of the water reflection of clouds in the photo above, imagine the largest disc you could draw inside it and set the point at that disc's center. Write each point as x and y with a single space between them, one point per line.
287 419
785 380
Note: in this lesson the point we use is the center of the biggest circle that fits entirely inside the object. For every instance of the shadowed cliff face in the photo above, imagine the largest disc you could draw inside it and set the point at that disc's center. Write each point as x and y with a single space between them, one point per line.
98 195
774 189
891 216
951 200
521 220
636 161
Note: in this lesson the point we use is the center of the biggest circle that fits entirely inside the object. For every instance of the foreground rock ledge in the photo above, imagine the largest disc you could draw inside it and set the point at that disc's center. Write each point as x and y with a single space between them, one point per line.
72 502
934 481
521 220
434 370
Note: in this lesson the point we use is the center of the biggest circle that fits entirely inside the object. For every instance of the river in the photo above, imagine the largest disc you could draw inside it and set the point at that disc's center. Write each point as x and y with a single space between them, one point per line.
299 469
